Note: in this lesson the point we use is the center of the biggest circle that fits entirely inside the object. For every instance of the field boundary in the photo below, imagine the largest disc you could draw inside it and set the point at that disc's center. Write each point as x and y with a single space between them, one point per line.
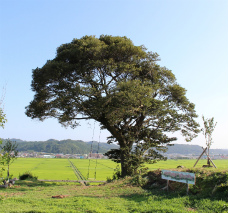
76 171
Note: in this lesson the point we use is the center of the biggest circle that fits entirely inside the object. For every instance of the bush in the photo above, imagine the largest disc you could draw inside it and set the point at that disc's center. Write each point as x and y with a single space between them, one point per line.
116 175
139 180
27 176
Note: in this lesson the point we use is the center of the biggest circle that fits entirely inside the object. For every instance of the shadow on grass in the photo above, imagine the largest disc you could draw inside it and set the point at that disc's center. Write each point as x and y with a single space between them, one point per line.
159 195
192 202
33 211
27 183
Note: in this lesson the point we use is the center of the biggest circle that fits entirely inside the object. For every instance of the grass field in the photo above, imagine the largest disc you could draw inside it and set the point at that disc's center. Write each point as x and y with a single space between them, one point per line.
60 169
172 164
36 197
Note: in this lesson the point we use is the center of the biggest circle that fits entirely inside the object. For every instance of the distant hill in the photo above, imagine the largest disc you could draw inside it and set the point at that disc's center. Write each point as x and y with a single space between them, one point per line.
63 146
185 149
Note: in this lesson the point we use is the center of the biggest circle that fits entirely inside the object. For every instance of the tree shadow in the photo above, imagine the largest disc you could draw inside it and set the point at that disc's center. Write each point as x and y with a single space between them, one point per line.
29 183
159 195
26 185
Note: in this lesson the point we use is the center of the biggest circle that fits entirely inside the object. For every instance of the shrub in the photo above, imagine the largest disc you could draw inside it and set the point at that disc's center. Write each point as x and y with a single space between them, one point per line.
27 176
116 175
138 180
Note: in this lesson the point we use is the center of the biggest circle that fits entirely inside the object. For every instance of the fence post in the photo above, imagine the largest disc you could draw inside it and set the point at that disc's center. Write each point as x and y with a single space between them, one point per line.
187 186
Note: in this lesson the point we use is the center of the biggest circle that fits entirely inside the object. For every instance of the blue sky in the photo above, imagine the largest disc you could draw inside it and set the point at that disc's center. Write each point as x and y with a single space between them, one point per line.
191 37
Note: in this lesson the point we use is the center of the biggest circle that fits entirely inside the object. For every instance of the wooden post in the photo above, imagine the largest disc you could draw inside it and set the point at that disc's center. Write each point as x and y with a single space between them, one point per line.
208 157
200 156
212 162
187 187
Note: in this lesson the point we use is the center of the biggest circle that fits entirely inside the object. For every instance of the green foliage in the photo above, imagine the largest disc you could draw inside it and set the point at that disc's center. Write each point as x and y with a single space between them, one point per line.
210 182
138 180
2 124
2 118
2 163
9 153
122 87
222 189
116 175
209 126
27 176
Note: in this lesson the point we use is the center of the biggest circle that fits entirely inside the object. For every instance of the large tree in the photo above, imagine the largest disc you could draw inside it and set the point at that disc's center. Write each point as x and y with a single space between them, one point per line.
122 87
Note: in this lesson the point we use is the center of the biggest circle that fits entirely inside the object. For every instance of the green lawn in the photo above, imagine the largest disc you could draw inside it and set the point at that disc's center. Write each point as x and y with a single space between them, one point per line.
34 197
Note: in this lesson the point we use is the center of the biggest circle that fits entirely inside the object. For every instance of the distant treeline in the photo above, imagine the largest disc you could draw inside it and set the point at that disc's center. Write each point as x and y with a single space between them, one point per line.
81 147
63 146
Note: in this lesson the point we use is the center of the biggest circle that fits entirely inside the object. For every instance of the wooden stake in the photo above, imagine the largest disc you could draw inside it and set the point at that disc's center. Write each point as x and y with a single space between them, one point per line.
200 156
211 160
187 187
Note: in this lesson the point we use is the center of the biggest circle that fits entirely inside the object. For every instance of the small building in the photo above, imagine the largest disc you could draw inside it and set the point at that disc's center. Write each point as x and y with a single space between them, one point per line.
48 156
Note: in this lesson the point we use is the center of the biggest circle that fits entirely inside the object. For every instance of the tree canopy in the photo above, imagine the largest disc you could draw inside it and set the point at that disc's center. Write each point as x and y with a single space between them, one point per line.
122 87
2 118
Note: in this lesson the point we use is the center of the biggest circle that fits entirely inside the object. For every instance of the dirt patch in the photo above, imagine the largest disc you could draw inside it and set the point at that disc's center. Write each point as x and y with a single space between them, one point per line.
60 196
191 210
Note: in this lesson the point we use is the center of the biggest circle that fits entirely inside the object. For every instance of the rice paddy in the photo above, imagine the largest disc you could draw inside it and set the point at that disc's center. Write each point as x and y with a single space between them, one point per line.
90 169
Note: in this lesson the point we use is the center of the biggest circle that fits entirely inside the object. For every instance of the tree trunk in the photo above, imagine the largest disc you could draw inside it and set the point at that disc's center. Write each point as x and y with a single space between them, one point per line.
124 172
208 160
125 165
8 172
